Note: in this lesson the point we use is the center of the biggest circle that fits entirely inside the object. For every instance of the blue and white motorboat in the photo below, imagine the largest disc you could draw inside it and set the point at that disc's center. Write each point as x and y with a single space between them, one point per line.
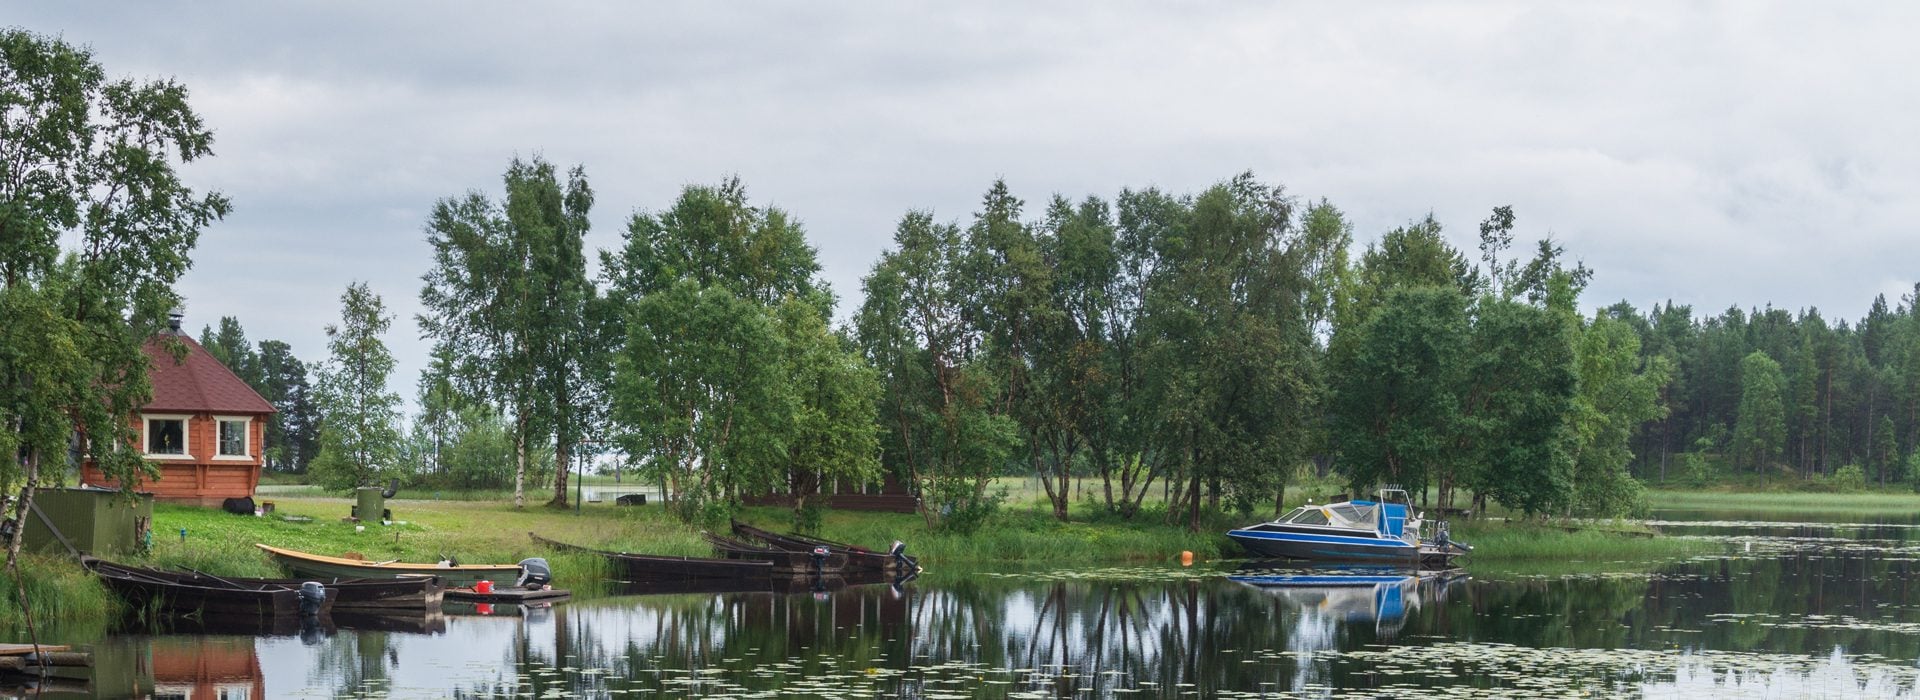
1383 531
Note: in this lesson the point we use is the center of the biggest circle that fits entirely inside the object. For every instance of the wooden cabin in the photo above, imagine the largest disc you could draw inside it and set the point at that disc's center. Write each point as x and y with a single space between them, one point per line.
205 428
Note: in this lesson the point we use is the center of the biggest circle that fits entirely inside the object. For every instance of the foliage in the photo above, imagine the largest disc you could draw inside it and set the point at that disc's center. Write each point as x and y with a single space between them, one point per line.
913 328
509 297
359 429
475 451
1761 429
1913 469
1850 478
1241 380
95 162
1619 391
292 438
278 377
1394 406
1695 469
832 434
728 380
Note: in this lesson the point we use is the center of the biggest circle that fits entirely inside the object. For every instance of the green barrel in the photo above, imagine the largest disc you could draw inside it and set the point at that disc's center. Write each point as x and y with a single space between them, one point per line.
369 504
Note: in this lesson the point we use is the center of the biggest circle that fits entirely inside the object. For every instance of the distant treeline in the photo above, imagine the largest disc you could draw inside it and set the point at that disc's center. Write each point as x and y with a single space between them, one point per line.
1207 348
1778 393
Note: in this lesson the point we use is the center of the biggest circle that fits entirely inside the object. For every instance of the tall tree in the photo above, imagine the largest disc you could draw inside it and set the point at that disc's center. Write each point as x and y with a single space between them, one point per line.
229 345
359 414
1619 392
726 349
509 296
913 327
292 438
833 434
1242 380
1395 410
95 161
1761 429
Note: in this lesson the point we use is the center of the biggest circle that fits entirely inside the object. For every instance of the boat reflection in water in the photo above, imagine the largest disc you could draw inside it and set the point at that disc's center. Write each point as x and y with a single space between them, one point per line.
1348 595
1329 601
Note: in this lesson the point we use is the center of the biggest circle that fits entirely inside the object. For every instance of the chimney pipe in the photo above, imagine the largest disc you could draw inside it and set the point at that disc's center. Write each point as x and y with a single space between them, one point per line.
173 319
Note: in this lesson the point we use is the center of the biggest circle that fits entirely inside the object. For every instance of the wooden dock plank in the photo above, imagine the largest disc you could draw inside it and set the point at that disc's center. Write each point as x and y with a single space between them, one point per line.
24 649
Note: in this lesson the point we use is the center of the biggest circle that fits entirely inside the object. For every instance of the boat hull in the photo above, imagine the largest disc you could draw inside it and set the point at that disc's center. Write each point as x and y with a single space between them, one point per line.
857 558
648 567
304 564
347 593
1324 547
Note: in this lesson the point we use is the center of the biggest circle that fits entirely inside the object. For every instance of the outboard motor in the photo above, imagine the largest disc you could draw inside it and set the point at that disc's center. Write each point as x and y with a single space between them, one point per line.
819 559
899 553
1443 538
534 574
312 597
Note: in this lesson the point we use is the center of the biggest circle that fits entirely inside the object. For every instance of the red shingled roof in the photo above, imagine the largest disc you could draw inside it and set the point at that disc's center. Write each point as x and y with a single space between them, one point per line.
197 383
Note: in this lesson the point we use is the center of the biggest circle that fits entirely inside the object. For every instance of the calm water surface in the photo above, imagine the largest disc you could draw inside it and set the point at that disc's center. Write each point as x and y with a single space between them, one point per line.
1784 609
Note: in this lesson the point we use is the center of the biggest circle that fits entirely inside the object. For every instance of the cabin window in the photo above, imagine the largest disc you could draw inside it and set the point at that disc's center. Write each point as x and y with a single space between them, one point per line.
166 436
233 437
1310 516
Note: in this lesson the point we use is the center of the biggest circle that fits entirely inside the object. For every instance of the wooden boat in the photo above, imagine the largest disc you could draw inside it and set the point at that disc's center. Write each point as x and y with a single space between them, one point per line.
223 599
352 594
785 562
304 564
647 567
858 558
507 595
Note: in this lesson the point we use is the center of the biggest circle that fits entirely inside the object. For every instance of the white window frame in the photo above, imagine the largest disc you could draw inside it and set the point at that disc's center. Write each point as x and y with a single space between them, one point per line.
246 438
186 435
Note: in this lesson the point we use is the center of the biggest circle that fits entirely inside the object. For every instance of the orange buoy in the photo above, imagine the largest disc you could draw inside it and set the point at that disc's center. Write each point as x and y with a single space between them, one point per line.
1186 558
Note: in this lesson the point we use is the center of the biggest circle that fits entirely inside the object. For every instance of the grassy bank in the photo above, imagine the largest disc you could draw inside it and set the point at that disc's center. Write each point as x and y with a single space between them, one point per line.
62 595
494 532
1015 536
1032 538
426 531
1496 541
1867 503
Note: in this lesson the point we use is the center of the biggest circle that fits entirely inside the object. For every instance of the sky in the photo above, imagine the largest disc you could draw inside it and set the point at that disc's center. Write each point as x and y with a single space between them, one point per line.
1713 154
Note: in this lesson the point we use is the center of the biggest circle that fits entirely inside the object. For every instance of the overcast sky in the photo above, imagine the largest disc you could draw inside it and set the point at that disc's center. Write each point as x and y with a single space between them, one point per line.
1715 154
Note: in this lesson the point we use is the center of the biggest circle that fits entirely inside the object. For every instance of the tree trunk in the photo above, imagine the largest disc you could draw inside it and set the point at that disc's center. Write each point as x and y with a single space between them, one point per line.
21 506
562 445
520 459
1193 503
1280 499
562 458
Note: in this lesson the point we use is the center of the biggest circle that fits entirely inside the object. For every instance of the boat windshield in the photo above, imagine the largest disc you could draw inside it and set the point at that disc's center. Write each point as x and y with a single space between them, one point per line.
1307 516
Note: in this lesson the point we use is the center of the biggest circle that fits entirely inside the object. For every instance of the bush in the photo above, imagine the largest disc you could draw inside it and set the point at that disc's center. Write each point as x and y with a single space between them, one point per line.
1850 478
1695 470
1913 470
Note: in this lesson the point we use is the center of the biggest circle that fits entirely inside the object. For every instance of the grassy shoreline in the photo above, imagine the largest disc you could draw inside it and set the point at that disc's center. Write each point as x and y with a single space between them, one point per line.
1888 502
495 532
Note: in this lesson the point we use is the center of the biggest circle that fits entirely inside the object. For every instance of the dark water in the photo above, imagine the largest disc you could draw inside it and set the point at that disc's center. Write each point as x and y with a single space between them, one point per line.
1786 609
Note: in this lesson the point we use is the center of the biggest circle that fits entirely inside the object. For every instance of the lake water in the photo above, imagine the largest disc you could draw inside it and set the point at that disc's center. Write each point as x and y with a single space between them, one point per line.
1784 609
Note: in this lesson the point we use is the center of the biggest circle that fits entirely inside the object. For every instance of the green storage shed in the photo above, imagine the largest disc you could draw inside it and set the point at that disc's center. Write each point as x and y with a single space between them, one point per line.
100 522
